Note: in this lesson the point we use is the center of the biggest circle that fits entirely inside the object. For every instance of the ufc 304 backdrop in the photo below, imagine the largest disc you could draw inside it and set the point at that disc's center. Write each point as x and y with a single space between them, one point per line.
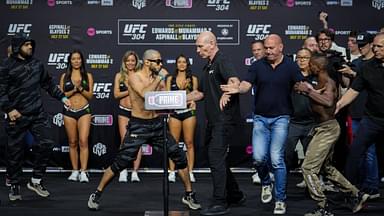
105 29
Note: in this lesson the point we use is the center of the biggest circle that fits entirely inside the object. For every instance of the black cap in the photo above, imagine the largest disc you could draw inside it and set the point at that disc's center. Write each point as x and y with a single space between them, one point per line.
364 38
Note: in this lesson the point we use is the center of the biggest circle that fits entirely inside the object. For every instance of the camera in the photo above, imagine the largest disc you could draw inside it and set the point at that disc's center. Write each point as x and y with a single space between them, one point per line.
336 59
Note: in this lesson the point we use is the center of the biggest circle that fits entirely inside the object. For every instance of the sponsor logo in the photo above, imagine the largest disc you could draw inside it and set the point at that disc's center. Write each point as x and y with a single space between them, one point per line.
175 32
59 31
219 5
91 31
332 2
102 120
258 31
346 3
179 3
135 31
19 28
249 61
52 3
173 61
19 4
146 149
378 4
58 60
139 4
342 32
100 2
99 61
298 32
99 149
58 119
65 149
106 2
258 4
292 3
102 90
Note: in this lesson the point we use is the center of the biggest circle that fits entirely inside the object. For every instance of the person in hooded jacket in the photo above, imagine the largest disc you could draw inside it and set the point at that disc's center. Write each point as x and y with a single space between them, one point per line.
21 78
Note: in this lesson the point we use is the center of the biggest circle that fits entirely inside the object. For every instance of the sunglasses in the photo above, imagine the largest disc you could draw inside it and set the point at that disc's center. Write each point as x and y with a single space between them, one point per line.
158 61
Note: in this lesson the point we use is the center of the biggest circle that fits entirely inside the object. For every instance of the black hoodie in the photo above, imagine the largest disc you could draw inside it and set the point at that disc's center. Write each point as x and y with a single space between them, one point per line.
21 81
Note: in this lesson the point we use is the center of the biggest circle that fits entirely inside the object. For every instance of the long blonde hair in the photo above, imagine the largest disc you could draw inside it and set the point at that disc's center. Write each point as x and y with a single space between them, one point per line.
123 68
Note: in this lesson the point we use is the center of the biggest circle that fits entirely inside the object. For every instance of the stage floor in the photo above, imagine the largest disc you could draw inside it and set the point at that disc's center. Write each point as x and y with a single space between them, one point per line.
131 199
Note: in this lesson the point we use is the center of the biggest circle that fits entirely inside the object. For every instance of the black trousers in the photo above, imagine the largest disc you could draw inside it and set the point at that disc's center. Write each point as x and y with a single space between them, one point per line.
146 131
225 187
296 132
39 126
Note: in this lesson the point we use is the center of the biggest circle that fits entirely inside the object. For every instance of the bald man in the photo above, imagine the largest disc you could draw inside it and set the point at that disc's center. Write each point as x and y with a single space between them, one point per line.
274 76
311 44
220 125
145 126
371 126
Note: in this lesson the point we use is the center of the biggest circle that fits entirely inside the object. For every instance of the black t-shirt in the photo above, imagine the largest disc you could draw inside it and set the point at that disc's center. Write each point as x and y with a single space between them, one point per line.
356 109
216 73
371 79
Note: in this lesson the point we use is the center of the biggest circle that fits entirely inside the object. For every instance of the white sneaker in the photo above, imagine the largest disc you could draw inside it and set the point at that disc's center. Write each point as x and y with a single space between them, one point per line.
280 208
256 179
135 177
302 184
83 177
123 176
172 176
192 177
382 179
266 193
74 176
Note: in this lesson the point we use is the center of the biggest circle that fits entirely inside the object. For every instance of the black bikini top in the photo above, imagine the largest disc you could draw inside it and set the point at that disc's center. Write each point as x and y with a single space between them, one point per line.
69 86
174 85
122 86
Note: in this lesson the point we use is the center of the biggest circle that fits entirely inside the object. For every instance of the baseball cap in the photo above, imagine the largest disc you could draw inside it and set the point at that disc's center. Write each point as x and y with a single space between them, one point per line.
364 38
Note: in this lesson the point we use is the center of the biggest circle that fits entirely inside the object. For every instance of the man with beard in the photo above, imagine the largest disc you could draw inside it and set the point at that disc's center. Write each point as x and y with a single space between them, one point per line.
21 78
145 126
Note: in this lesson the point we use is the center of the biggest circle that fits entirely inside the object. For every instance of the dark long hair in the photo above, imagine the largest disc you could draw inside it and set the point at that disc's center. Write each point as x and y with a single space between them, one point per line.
188 70
83 72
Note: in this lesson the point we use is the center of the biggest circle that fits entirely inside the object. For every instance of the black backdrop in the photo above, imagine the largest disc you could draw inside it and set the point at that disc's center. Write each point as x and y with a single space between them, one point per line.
105 29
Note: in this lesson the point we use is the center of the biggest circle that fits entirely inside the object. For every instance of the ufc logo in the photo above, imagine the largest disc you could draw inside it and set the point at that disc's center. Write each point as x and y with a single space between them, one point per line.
58 57
17 28
102 87
218 2
134 29
259 29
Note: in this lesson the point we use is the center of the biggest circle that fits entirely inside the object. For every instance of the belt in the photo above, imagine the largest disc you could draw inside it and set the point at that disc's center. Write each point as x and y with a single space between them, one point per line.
76 110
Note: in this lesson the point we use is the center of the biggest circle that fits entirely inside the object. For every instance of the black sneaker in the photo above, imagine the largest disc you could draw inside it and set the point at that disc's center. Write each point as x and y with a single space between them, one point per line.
93 202
191 201
237 202
358 202
319 211
14 193
38 188
215 210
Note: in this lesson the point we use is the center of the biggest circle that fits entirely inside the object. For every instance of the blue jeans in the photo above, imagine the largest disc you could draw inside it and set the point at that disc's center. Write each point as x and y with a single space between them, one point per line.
369 167
268 141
